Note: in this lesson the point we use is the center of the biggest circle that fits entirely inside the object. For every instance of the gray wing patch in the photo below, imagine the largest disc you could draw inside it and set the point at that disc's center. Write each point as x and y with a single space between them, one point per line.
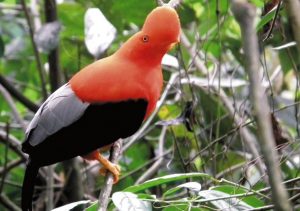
61 109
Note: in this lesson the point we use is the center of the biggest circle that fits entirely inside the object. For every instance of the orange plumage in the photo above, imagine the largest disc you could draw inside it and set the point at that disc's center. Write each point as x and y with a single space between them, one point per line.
134 71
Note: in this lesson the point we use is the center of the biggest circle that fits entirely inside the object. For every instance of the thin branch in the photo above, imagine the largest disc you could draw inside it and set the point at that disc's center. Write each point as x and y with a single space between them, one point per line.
107 188
193 53
244 13
35 50
53 57
8 203
244 132
293 8
11 165
13 144
155 167
13 107
17 94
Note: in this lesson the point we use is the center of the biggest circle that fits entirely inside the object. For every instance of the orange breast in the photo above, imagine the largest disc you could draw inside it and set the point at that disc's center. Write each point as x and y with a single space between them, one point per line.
114 79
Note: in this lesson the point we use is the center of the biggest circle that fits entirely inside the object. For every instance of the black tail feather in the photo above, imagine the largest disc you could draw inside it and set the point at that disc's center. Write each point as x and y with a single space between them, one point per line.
28 186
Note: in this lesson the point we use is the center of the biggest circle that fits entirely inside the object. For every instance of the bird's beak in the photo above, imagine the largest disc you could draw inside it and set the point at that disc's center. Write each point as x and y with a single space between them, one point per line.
174 43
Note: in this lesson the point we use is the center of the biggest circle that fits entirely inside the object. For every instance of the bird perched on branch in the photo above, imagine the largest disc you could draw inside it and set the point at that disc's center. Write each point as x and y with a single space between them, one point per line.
107 100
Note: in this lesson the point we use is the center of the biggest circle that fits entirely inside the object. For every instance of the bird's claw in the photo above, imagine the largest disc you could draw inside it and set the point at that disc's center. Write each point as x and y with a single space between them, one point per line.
114 169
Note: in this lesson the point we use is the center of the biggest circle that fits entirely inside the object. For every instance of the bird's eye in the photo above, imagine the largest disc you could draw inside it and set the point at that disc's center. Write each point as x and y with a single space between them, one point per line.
145 38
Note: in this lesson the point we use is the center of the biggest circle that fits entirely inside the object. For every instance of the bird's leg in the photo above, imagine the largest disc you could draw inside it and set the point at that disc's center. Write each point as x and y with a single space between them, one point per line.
107 165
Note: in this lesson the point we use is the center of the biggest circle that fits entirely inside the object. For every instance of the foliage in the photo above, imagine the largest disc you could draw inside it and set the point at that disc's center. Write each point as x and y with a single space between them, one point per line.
205 162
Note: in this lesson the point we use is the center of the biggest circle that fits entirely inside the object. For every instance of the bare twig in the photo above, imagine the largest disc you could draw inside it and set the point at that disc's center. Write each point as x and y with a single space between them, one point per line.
193 53
11 165
244 132
293 8
53 57
36 53
106 190
14 144
5 159
17 94
8 203
244 13
155 167
13 107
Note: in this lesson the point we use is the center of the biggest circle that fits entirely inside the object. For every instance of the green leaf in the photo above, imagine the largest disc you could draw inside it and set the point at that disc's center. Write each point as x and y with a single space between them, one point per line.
258 3
165 179
266 19
71 16
93 207
232 190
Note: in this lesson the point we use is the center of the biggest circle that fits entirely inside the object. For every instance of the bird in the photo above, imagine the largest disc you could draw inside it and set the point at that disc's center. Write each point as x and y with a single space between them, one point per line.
107 100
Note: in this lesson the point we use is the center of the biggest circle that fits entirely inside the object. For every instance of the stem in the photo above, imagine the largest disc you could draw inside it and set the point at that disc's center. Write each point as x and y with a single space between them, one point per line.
35 50
245 13
106 190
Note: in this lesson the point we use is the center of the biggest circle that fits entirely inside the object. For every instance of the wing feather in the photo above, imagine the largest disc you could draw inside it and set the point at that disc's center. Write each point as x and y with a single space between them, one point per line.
61 109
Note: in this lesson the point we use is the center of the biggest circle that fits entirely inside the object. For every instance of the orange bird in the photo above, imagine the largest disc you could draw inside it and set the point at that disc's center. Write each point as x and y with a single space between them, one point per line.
107 100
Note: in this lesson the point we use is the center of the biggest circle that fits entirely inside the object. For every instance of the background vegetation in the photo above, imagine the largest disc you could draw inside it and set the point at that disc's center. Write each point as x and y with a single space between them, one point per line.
201 145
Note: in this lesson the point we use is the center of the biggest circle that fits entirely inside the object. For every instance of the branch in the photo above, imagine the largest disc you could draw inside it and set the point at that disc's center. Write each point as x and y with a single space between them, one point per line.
53 57
245 15
293 8
18 95
35 50
8 203
155 167
13 107
106 190
244 132
13 144
10 166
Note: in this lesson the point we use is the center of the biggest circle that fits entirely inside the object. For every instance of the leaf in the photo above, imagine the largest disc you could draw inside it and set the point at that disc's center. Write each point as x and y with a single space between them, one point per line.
71 205
231 190
266 19
170 61
99 32
232 204
193 186
165 179
130 201
47 37
71 16
93 207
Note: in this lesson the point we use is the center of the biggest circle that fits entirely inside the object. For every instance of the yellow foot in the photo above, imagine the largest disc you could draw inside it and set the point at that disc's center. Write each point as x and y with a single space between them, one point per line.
107 165
113 168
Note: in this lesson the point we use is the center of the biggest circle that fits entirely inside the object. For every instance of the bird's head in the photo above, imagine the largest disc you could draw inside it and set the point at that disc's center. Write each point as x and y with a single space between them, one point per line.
160 32
162 26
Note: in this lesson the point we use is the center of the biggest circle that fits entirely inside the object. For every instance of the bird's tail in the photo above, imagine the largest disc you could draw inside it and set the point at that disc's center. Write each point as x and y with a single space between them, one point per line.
28 186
